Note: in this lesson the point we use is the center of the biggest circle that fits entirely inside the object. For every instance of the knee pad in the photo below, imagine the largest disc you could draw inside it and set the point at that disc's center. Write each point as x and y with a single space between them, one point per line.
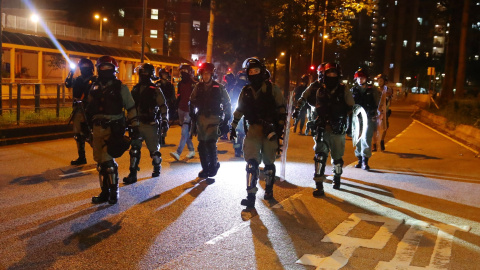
156 158
320 163
135 152
252 173
269 174
337 166
109 167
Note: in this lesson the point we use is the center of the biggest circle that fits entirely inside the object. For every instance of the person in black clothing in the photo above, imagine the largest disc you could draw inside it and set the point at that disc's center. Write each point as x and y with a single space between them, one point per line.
365 95
242 80
305 80
169 93
81 87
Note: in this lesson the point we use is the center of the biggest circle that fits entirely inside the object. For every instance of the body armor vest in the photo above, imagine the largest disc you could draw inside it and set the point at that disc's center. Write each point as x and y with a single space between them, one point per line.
81 87
209 101
145 97
366 100
260 108
107 99
332 108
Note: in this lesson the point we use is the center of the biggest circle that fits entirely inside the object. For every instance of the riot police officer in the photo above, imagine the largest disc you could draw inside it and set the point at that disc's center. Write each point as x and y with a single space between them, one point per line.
365 95
304 82
209 108
169 93
152 114
184 90
81 87
262 105
107 99
333 103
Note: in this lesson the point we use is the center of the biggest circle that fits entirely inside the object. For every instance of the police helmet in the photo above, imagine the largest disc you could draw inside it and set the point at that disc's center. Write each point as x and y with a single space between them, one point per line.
253 62
229 78
186 66
305 78
329 67
381 76
85 63
321 71
107 60
207 67
241 75
361 72
146 69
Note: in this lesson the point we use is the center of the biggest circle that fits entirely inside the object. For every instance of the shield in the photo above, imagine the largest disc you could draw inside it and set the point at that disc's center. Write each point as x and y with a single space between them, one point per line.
359 124
285 137
381 117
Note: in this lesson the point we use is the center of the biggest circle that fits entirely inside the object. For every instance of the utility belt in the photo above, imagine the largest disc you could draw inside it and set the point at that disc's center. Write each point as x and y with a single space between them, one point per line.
106 123
148 120
339 126
269 128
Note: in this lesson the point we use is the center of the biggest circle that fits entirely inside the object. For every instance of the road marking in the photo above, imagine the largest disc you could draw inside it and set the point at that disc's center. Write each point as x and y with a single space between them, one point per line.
452 139
77 173
410 242
228 233
348 245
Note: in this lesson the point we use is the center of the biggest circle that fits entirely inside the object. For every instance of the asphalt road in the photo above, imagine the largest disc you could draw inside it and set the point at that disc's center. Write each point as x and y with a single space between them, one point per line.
416 209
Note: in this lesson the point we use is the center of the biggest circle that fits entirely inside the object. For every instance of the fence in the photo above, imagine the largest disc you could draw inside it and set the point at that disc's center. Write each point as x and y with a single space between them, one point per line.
33 103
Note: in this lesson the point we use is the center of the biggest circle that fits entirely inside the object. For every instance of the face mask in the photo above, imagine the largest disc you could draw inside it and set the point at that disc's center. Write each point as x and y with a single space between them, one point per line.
144 77
86 71
256 80
106 75
331 82
185 75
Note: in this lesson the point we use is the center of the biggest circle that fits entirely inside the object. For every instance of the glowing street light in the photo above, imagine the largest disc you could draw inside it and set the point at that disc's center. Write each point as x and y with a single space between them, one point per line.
35 18
104 19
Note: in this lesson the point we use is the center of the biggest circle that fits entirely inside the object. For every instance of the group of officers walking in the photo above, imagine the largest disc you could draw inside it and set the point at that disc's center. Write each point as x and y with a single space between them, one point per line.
104 109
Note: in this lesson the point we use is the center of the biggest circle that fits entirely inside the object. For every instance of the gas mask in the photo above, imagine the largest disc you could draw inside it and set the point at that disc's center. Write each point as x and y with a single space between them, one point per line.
86 71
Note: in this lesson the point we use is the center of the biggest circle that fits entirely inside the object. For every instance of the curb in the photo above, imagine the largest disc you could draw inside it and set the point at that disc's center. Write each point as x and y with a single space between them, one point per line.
12 136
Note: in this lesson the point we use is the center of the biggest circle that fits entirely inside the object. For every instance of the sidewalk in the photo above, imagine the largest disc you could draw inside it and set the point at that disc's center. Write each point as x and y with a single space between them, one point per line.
418 206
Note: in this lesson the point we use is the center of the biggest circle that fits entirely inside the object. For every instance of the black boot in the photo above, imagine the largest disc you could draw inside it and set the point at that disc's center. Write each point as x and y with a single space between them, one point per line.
113 198
103 196
213 163
374 147
156 162
268 192
336 181
249 202
203 154
156 170
382 145
81 151
318 192
365 164
131 178
359 164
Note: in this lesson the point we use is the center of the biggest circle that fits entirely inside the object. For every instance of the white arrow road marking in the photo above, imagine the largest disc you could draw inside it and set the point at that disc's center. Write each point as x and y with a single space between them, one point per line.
340 257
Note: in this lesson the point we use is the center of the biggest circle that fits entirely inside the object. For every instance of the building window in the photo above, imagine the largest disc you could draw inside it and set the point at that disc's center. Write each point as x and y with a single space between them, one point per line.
417 44
196 25
154 15
153 33
121 32
121 12
405 42
153 50
420 20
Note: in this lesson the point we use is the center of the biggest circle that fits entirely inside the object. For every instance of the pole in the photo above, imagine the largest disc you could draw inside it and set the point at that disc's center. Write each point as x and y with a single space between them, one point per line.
324 31
143 30
315 33
101 21
210 33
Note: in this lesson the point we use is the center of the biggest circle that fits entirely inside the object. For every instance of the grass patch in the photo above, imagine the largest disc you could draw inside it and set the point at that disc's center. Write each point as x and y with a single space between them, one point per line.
460 111
28 117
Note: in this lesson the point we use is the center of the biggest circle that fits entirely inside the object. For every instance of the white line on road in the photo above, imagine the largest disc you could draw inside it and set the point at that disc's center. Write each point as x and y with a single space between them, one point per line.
76 173
453 140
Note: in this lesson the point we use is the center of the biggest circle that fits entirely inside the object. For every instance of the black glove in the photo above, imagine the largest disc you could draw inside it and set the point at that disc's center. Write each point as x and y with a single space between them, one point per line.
295 113
164 126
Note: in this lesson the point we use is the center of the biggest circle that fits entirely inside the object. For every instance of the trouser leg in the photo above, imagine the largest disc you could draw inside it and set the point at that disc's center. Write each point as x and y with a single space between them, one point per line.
213 163
80 140
203 154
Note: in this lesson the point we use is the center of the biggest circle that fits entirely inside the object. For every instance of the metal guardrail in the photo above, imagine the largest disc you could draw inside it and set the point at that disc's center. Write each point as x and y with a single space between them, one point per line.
28 96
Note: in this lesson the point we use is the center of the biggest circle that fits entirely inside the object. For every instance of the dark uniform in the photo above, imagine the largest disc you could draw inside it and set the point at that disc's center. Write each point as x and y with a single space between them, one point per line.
107 99
169 93
210 108
368 97
81 87
298 94
333 103
152 115
263 106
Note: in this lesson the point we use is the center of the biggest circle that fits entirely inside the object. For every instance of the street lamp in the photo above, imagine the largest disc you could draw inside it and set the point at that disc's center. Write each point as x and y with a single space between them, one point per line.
104 19
275 67
34 18
170 39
